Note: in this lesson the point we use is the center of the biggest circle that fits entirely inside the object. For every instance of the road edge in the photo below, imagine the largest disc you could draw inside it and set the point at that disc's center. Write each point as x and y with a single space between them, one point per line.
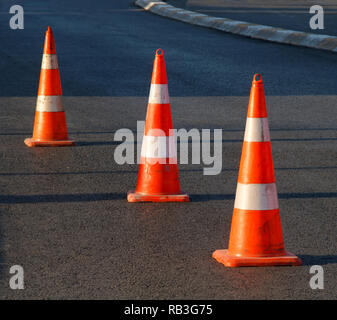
256 31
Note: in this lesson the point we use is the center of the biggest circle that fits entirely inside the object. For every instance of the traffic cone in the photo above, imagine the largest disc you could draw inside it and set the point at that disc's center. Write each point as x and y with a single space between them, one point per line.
256 234
50 128
158 176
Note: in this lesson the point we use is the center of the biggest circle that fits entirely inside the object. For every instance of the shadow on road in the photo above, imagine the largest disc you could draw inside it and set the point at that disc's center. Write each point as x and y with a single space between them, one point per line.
307 195
187 128
9 174
209 197
98 143
114 131
82 197
310 260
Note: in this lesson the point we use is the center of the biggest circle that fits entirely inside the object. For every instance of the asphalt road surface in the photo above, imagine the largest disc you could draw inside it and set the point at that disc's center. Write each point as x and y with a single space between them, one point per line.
63 211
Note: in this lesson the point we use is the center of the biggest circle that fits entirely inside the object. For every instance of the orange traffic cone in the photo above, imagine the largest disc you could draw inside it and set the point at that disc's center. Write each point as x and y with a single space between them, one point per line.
50 128
158 177
256 234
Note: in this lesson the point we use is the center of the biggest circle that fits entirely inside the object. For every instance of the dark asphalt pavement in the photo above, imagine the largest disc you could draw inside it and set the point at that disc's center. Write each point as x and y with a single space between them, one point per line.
287 14
108 51
63 212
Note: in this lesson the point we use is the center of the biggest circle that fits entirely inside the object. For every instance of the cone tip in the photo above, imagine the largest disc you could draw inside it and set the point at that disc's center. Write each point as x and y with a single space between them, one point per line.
49 45
257 78
159 52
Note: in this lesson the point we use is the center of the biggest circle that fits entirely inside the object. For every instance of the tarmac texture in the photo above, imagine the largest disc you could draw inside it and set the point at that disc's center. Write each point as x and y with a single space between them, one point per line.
63 211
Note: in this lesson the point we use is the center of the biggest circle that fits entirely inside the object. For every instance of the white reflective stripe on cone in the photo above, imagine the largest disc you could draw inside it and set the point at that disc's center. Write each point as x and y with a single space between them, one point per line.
159 147
257 130
256 196
49 103
49 61
159 94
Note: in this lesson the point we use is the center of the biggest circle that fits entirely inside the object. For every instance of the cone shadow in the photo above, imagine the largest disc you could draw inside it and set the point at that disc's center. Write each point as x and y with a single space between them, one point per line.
82 197
96 143
310 260
211 197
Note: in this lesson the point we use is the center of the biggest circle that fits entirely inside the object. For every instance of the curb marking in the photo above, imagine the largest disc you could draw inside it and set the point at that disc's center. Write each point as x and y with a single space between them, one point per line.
251 30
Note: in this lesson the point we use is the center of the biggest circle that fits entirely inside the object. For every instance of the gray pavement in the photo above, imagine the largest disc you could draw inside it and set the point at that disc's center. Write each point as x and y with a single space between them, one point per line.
64 215
287 14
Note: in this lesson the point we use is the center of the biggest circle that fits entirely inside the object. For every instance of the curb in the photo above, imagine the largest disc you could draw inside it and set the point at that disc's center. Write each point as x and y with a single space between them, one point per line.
256 31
